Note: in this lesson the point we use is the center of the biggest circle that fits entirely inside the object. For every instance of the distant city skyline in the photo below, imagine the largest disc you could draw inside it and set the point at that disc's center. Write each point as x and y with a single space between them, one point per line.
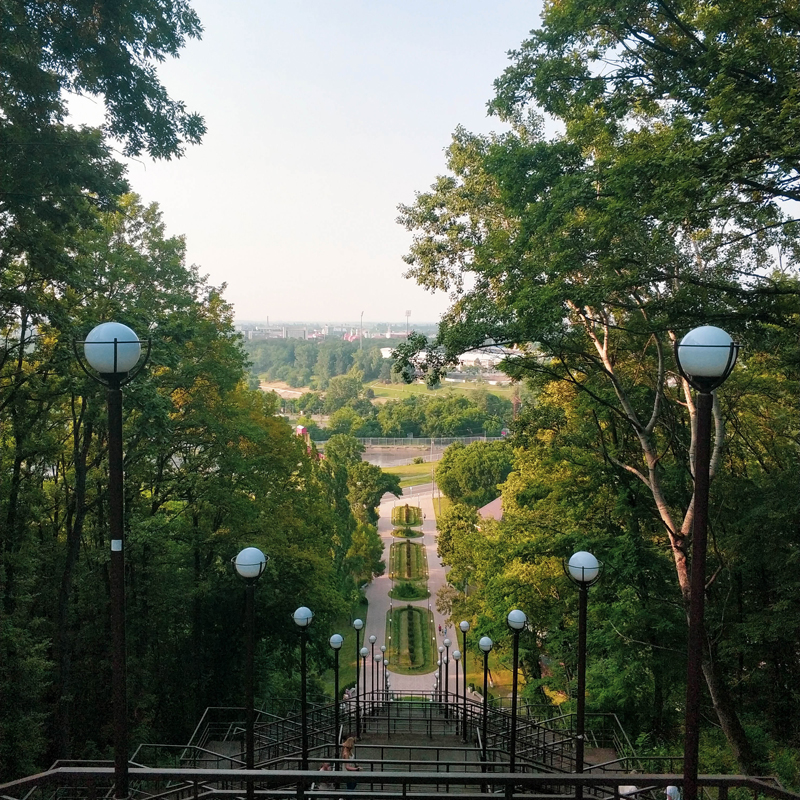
322 117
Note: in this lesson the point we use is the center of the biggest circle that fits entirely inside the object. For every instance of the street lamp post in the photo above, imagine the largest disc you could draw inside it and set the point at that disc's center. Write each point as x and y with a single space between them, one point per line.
456 658
516 621
705 356
364 652
250 564
584 570
383 686
302 618
113 351
485 645
376 676
447 644
372 639
439 664
464 626
358 625
336 642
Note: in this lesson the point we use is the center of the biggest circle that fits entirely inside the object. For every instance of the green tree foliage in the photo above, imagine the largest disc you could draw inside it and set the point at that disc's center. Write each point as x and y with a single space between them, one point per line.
209 469
472 473
660 206
367 484
343 450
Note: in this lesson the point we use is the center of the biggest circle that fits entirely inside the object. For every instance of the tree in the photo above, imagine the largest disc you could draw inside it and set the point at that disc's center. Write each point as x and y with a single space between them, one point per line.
342 389
656 210
472 473
367 484
343 450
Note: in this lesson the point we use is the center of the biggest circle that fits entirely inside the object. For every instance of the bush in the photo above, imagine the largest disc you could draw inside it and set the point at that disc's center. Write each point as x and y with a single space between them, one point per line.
418 460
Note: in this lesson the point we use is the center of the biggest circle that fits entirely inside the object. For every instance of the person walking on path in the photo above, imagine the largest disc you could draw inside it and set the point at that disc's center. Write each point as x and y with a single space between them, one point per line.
348 756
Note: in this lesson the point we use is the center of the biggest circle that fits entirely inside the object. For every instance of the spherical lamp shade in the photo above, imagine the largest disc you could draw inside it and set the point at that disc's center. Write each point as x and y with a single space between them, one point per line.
441 649
584 567
250 563
516 619
112 348
705 352
364 652
456 655
485 644
303 616
383 648
373 639
377 658
336 641
358 624
464 625
447 643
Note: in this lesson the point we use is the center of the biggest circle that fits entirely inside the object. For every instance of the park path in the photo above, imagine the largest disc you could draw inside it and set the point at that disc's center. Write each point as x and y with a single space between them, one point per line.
378 591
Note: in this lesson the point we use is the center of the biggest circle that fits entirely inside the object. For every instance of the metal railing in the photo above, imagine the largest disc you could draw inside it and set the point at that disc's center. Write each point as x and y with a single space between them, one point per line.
93 783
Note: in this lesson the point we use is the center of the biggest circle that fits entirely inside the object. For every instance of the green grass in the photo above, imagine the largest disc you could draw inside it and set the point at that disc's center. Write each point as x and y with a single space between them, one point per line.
441 504
408 561
410 516
410 590
397 391
411 639
347 655
407 533
413 474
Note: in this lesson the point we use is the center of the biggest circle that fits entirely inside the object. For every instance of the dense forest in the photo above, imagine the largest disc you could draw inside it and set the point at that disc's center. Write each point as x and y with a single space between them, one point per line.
666 201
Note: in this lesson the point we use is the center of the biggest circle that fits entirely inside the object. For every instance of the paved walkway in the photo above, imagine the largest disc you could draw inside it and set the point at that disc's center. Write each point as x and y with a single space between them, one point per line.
378 591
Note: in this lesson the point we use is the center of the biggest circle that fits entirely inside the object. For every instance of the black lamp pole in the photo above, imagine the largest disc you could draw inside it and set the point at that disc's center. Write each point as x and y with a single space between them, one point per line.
336 643
583 570
358 625
464 625
485 645
516 622
249 564
113 350
705 358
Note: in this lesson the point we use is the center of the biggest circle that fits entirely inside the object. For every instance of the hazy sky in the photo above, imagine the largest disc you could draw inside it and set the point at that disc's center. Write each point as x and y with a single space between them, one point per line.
322 116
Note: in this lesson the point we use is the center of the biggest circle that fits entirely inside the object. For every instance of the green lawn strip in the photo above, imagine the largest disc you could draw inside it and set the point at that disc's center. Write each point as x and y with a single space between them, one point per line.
410 590
407 516
413 474
409 632
407 533
347 654
408 561
441 504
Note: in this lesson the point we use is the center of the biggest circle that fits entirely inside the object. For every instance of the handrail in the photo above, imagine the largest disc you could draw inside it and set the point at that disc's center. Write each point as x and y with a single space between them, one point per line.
220 783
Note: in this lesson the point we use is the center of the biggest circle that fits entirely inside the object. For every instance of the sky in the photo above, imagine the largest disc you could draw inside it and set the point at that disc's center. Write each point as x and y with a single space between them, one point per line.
322 116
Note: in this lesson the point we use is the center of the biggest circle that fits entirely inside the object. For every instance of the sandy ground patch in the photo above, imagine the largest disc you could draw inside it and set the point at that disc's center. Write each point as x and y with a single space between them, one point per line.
283 389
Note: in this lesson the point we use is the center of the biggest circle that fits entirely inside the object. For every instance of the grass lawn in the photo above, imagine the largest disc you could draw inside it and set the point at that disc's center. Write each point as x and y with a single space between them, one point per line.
397 391
441 504
413 474
407 533
407 515
411 640
347 655
408 561
499 672
410 590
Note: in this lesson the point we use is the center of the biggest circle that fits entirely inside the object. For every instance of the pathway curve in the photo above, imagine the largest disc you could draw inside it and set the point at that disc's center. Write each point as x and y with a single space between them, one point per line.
378 591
